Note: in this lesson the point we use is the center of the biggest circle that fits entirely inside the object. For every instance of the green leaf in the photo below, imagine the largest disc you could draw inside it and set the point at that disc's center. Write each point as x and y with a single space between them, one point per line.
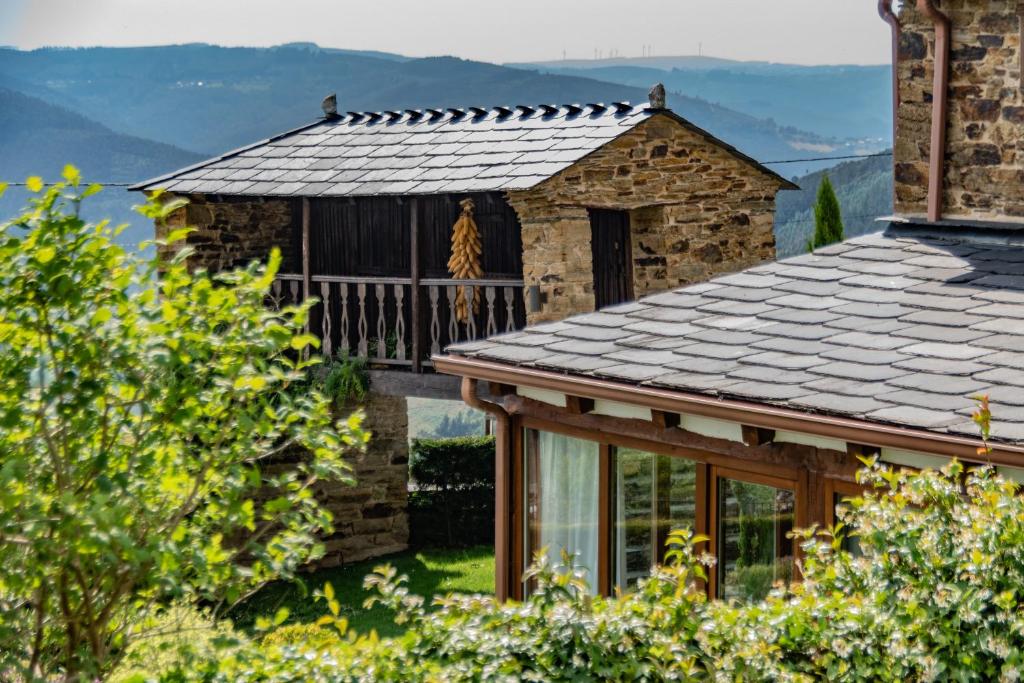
46 254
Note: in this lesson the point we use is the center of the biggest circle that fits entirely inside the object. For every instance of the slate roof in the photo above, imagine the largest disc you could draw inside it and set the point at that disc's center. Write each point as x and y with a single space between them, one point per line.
428 151
899 328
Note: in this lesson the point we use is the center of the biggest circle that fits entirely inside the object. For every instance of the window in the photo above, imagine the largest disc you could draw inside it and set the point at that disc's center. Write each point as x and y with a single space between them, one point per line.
753 521
654 494
612 507
562 499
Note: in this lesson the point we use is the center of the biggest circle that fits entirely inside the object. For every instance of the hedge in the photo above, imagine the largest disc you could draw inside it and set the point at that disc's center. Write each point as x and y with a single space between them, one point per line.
451 502
937 594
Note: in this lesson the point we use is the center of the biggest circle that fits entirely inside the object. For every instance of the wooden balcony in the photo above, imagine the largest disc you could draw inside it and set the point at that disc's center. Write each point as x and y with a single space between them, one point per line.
392 323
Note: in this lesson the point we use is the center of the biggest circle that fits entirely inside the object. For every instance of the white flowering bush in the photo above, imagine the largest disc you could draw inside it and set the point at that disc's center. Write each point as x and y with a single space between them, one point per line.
935 594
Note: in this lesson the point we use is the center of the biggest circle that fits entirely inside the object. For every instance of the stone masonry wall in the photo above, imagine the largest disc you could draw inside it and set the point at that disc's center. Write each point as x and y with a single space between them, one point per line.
232 233
370 517
695 211
984 177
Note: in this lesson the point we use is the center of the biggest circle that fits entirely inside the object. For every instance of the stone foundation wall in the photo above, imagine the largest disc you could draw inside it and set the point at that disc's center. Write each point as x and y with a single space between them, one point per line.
370 517
231 232
984 177
696 210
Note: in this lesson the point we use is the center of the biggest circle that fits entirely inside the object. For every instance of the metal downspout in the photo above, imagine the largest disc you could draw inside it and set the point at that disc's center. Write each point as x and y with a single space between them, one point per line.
502 487
889 17
940 96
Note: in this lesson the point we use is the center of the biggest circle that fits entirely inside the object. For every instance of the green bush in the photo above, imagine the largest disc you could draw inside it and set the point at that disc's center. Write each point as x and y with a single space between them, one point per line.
935 595
140 402
173 635
452 504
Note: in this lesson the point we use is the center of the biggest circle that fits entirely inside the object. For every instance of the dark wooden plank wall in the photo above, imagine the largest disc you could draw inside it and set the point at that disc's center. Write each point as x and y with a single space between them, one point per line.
369 236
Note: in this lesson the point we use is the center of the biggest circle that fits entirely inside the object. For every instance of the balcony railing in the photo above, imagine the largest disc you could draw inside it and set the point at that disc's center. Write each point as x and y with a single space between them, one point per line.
389 322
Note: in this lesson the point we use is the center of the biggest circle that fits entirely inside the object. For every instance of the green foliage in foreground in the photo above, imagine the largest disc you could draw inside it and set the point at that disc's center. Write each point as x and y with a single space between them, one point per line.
138 403
936 595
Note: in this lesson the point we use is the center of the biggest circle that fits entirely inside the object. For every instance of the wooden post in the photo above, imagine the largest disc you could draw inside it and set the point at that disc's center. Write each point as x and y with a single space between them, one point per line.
414 277
604 522
306 276
306 281
503 570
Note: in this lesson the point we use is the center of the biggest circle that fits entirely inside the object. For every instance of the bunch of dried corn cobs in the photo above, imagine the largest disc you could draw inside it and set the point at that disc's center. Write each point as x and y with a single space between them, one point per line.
464 263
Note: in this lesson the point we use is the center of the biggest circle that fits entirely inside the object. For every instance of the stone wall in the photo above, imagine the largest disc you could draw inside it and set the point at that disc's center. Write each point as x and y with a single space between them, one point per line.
984 177
232 232
370 517
696 211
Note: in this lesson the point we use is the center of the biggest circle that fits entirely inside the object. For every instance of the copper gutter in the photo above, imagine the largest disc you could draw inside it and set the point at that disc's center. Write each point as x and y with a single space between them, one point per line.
502 487
742 412
940 95
889 17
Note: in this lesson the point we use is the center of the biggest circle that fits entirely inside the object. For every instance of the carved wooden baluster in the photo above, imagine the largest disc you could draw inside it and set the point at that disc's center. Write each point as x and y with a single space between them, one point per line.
344 318
382 346
399 322
492 324
325 297
435 323
510 322
361 291
453 319
471 314
293 287
276 289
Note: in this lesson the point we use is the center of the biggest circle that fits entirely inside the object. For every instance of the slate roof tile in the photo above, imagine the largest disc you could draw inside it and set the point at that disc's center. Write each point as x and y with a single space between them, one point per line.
892 328
490 152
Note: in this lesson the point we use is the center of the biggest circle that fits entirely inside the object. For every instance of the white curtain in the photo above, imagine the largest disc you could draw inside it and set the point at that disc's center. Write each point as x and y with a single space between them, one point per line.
568 511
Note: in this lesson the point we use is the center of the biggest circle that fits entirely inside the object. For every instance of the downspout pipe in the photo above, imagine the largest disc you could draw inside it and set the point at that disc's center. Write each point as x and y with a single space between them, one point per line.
888 16
502 486
940 96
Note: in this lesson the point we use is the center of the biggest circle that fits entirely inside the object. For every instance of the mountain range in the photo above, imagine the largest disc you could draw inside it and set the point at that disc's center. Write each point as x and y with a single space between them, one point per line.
851 103
125 114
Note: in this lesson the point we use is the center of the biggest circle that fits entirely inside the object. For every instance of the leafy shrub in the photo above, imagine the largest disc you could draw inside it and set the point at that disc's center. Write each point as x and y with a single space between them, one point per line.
173 635
453 501
935 595
300 635
346 378
139 403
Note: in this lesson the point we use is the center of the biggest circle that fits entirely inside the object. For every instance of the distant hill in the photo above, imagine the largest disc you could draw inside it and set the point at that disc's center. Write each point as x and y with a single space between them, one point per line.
38 138
209 99
834 101
864 188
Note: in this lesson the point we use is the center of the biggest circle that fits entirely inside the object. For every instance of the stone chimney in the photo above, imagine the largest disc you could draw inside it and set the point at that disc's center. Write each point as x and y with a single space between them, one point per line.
983 166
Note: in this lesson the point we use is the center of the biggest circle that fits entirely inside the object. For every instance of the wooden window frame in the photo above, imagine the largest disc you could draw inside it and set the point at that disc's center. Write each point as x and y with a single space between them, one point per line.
709 468
797 484
834 487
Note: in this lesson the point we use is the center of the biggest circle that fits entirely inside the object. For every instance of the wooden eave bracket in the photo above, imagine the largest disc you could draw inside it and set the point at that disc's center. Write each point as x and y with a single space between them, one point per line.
665 420
499 389
860 450
578 405
757 436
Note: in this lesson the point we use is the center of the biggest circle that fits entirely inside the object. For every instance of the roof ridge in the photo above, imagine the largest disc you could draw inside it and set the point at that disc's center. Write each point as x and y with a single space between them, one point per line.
522 111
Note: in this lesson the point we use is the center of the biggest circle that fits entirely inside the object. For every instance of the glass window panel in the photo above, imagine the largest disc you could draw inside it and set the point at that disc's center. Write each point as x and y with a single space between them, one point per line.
654 494
753 549
562 499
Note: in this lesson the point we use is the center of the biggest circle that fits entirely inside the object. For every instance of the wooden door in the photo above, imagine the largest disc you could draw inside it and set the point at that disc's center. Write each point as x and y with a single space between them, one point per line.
613 257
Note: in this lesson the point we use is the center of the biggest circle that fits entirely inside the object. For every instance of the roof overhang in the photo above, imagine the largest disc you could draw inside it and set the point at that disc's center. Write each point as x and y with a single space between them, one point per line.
743 412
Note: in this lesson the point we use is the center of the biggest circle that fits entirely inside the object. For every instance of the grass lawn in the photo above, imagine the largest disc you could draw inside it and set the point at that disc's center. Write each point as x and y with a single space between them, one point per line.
430 572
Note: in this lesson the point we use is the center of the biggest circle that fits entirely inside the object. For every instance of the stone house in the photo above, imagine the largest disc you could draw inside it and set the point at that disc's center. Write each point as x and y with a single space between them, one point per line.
577 206
739 407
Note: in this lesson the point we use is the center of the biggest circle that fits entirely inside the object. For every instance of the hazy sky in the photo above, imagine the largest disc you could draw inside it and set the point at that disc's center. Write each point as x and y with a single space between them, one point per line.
798 31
